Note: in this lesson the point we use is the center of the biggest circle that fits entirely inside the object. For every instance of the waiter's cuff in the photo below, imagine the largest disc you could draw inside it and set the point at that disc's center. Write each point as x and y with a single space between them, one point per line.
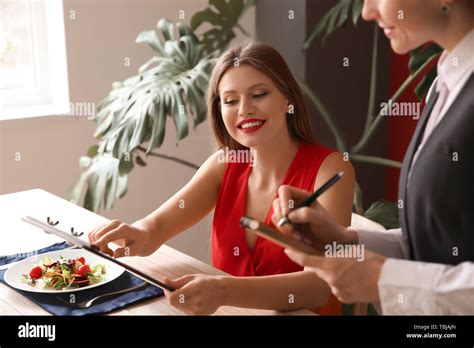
406 287
388 243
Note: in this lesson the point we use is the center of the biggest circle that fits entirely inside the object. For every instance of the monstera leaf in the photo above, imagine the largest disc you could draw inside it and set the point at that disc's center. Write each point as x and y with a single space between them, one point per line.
172 85
223 16
103 179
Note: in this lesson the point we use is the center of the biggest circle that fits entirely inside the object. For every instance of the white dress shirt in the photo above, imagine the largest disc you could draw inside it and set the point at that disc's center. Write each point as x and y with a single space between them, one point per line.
454 70
414 287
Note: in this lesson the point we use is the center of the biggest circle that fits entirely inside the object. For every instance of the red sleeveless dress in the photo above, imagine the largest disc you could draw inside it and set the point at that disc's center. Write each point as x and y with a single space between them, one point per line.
230 252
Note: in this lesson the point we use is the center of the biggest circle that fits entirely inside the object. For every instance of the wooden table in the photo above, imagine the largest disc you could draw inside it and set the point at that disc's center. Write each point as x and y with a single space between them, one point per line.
17 236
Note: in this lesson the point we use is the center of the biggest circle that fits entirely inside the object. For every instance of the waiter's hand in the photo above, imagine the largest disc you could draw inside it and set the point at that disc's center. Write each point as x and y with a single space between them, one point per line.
351 279
311 221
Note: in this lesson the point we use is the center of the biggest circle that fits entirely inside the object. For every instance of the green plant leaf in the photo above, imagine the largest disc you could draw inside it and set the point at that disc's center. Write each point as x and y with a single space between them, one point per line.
151 39
424 85
102 178
84 161
122 186
223 17
418 57
169 85
92 151
74 193
384 212
140 161
358 203
357 10
126 164
336 17
158 129
207 15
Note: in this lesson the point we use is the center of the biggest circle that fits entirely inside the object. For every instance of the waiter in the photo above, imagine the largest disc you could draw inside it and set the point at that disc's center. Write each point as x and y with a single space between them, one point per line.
427 265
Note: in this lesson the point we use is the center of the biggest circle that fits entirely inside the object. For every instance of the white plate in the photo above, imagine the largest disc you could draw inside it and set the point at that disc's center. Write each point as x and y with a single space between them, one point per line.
14 273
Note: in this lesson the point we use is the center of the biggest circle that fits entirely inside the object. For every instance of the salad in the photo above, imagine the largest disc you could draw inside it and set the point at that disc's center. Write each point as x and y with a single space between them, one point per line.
64 274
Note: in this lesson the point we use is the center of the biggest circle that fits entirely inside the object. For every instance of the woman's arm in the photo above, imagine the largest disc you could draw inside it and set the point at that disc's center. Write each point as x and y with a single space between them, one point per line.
338 200
288 291
201 294
189 205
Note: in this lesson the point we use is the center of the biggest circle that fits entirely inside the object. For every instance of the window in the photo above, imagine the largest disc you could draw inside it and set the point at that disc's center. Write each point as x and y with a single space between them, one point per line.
33 69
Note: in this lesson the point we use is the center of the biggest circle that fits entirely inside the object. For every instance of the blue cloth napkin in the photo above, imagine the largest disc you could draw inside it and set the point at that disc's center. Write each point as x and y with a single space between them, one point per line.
50 303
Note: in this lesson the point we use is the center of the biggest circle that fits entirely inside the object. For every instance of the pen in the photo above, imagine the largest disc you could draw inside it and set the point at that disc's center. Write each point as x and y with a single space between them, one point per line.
307 202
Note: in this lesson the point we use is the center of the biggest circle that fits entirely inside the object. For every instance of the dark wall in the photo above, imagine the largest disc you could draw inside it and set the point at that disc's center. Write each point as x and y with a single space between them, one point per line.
345 90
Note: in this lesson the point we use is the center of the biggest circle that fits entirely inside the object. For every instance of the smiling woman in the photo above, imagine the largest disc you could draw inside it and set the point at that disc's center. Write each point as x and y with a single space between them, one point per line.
275 87
255 105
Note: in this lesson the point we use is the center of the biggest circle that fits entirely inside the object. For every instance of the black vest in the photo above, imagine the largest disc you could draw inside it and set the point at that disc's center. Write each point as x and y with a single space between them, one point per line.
437 216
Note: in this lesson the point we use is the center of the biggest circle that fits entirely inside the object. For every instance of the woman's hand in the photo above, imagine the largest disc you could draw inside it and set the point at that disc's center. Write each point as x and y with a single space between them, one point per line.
131 239
196 294
312 222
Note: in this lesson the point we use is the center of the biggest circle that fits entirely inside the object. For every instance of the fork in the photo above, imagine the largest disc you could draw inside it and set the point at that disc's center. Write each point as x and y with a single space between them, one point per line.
88 303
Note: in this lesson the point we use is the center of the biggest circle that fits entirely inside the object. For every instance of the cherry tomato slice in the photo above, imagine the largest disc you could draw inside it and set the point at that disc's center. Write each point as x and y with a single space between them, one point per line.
83 270
36 273
81 260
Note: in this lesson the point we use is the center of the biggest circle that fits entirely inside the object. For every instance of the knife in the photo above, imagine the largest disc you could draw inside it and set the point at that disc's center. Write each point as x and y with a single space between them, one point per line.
93 249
